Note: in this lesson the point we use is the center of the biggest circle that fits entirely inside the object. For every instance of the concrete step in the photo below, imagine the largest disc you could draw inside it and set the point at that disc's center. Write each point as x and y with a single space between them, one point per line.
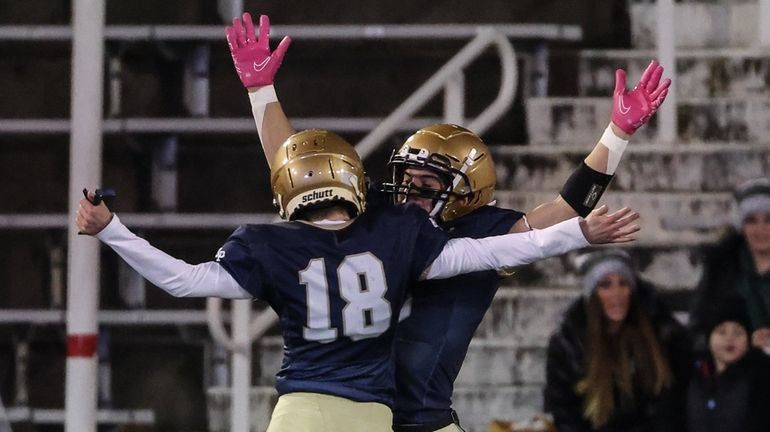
674 270
568 120
684 192
709 24
700 73
497 363
669 220
520 320
497 381
494 358
512 358
678 168
504 371
477 406
508 348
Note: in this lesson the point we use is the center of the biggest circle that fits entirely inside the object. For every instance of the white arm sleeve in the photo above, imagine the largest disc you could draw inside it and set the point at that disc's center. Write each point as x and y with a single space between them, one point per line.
173 275
466 255
259 100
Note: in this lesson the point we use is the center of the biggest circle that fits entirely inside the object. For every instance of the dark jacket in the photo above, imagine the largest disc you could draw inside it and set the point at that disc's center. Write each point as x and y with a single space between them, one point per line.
734 401
721 267
565 367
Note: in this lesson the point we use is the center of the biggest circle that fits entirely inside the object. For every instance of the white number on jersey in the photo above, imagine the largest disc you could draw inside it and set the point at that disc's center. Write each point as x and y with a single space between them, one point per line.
362 285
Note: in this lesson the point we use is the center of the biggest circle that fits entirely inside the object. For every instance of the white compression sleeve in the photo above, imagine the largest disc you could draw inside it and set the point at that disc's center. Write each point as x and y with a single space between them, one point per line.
616 147
259 100
466 255
173 275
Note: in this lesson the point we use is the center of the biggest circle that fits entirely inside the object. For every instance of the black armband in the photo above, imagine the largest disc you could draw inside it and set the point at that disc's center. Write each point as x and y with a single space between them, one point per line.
584 187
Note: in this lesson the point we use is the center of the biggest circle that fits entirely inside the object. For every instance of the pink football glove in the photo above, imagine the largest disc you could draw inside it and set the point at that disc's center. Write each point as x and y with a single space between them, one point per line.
632 109
255 65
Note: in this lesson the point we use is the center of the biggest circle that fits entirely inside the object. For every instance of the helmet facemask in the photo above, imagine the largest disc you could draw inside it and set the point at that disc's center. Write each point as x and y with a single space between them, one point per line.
456 183
459 157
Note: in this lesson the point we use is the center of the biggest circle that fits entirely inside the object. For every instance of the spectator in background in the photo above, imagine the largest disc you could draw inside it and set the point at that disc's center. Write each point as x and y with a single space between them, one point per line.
737 268
730 385
619 361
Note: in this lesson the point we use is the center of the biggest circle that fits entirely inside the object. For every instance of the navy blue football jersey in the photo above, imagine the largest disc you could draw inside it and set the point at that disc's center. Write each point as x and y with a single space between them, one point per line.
338 294
432 342
376 198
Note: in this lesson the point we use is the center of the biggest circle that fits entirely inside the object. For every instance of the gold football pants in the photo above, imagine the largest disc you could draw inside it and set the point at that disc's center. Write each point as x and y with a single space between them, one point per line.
315 412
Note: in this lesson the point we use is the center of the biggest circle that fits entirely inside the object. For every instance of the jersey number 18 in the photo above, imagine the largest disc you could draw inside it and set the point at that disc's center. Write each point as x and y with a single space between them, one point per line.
362 286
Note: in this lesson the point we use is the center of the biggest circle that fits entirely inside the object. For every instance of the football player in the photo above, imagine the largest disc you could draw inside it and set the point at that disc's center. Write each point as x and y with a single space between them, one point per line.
431 170
337 276
449 172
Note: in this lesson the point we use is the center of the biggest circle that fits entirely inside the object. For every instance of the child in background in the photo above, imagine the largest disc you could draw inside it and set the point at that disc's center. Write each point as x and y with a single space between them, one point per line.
730 387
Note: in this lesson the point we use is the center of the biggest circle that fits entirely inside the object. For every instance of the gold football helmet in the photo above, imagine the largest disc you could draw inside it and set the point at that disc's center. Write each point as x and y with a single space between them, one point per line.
317 168
459 157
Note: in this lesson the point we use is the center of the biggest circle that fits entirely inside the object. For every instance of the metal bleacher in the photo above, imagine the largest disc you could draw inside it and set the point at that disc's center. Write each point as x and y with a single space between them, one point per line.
165 216
681 188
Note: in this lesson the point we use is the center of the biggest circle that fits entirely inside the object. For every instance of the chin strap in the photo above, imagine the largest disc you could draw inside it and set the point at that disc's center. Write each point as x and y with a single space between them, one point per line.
467 163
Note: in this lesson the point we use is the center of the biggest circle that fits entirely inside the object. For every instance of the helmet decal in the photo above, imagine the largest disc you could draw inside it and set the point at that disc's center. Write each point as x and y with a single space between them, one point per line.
317 167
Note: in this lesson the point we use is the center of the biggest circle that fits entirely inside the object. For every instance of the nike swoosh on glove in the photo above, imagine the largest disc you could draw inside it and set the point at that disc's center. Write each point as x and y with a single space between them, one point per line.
631 109
255 64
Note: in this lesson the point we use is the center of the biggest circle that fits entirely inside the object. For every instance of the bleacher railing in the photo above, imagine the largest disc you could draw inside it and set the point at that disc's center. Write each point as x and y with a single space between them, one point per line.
450 78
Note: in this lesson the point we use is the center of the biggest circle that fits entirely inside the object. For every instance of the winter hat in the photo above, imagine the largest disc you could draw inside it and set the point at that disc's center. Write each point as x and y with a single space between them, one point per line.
730 310
752 196
597 265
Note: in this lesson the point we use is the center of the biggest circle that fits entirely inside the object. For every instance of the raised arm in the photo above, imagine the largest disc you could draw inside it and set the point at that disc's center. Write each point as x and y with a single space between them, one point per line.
173 275
256 67
466 255
630 110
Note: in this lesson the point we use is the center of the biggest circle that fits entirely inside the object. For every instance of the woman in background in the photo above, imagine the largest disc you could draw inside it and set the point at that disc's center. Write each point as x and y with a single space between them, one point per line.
619 361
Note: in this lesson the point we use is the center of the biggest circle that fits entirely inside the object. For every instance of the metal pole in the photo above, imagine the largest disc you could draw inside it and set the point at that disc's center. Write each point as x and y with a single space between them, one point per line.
762 25
58 273
164 174
667 116
196 81
540 80
229 9
454 100
105 370
83 252
241 366
131 285
220 371
116 86
21 396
